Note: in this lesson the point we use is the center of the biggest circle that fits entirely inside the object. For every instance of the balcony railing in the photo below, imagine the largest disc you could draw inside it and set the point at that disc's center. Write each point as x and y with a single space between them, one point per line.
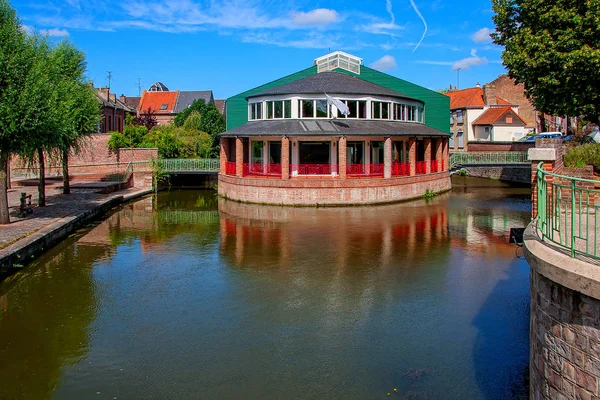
568 213
364 170
313 169
421 167
259 169
400 169
434 166
230 168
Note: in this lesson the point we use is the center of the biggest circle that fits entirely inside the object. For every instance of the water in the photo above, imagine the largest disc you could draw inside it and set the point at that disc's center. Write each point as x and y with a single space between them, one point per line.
170 298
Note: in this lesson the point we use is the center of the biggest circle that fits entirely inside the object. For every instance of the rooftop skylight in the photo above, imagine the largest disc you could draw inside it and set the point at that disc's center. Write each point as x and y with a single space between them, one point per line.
338 59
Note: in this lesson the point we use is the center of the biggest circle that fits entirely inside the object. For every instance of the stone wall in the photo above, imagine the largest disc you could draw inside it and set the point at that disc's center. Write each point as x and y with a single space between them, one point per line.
517 173
314 192
565 342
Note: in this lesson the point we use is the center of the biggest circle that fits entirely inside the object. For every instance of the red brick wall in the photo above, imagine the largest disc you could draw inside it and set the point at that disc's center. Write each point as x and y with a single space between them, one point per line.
515 94
312 192
500 146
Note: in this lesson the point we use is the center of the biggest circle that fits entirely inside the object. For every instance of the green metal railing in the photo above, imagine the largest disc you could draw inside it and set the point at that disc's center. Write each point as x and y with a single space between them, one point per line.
493 158
189 164
567 212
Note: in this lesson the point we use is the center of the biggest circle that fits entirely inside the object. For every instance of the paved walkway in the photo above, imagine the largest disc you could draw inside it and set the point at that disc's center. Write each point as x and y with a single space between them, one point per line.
57 207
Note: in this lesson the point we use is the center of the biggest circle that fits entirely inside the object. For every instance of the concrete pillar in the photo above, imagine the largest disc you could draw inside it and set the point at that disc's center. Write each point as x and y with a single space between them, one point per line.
223 152
439 153
342 157
427 144
387 158
239 157
550 158
411 151
285 158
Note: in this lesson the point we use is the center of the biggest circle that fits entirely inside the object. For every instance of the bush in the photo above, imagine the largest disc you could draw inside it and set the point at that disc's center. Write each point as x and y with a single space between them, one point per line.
581 156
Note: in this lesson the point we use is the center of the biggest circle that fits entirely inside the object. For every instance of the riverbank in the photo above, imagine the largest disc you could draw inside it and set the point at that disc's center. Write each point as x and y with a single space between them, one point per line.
25 238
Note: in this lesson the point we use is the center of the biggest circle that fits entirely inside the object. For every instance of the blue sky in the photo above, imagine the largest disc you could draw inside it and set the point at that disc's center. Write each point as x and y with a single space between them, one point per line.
233 45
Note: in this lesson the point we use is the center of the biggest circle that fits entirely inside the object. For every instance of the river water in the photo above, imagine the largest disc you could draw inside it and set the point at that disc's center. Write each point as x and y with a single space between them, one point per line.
185 296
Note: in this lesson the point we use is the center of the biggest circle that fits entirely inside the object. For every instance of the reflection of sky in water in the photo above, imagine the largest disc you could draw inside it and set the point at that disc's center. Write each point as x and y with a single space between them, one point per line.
174 299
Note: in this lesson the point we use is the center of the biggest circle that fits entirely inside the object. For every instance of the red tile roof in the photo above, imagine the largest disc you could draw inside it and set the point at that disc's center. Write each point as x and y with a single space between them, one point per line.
156 100
492 115
220 104
500 100
472 97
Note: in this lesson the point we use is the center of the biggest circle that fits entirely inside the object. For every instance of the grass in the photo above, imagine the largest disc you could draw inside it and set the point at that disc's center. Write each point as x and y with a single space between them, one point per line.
429 194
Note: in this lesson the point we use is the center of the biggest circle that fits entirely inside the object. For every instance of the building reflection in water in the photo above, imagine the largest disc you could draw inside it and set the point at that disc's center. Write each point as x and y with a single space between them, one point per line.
348 238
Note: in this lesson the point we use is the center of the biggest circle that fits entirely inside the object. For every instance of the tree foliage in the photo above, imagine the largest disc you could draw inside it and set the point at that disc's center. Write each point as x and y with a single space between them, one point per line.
553 47
212 122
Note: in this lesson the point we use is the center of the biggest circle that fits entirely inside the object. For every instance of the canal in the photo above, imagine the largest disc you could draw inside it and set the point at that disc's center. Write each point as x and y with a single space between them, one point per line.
186 296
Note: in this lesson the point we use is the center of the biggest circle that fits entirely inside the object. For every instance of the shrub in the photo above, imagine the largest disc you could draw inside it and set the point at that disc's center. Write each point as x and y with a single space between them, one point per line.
581 156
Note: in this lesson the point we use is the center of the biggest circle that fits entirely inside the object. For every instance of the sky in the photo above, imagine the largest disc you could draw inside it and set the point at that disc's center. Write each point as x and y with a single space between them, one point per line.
230 46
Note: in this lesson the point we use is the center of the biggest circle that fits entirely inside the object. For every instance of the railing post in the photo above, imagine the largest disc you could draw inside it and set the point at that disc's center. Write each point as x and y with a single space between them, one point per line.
573 188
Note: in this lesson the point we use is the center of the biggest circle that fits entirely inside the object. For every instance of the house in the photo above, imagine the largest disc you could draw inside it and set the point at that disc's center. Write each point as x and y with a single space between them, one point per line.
165 104
114 111
220 104
132 101
335 133
480 114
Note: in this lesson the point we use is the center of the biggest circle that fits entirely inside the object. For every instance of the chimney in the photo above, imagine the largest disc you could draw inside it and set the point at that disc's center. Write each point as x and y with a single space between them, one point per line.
477 85
104 92
112 97
123 98
489 94
455 88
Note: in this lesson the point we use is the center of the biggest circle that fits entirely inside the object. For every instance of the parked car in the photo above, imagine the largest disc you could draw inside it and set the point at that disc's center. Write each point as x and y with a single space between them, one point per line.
543 135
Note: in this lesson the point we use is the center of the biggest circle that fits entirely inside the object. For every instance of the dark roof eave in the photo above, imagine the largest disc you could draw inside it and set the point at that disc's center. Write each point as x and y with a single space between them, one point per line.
335 94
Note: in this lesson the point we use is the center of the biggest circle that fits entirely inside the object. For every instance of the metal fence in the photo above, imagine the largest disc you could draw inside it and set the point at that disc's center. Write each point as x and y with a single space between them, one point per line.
492 158
567 212
189 164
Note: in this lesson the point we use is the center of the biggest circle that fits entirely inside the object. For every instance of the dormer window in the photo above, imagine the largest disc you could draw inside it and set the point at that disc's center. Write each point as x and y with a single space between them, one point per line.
338 59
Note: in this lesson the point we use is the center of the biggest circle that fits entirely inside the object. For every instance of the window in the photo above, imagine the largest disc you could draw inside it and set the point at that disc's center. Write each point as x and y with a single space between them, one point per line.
255 111
163 107
487 129
380 110
279 109
257 152
358 109
459 117
287 109
509 119
451 118
321 107
308 109
421 111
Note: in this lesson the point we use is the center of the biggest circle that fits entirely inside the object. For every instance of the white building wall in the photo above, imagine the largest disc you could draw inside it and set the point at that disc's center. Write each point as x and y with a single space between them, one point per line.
507 133
472 115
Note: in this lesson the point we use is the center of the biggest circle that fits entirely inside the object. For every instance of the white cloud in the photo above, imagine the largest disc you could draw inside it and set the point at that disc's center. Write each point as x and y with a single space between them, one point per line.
435 62
384 28
385 63
27 29
482 35
469 62
316 17
56 32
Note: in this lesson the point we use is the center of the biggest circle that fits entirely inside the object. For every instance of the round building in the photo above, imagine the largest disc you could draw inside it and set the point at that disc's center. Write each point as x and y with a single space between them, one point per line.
337 133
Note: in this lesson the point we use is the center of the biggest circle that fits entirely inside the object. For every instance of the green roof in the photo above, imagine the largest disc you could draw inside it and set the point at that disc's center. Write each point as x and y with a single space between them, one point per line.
437 106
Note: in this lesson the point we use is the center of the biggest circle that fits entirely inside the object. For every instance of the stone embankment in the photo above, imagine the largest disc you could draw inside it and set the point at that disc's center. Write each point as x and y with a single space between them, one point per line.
27 237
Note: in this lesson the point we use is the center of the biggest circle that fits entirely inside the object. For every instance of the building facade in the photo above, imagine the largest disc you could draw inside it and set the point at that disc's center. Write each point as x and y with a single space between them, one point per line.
114 111
336 133
164 104
482 115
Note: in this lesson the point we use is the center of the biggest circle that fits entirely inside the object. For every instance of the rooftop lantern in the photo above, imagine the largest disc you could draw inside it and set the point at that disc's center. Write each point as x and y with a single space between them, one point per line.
338 59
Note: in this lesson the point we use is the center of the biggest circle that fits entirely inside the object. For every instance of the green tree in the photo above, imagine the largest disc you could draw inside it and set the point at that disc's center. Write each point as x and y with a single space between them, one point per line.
80 107
16 56
212 122
553 47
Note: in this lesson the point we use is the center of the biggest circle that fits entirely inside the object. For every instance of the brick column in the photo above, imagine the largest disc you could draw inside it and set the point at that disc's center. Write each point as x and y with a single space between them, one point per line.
239 157
342 157
411 151
446 155
224 142
427 144
285 158
439 153
535 155
387 158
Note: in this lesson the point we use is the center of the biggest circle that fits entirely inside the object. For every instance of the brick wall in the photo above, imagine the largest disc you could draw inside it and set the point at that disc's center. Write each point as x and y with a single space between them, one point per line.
313 192
500 146
565 342
506 88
